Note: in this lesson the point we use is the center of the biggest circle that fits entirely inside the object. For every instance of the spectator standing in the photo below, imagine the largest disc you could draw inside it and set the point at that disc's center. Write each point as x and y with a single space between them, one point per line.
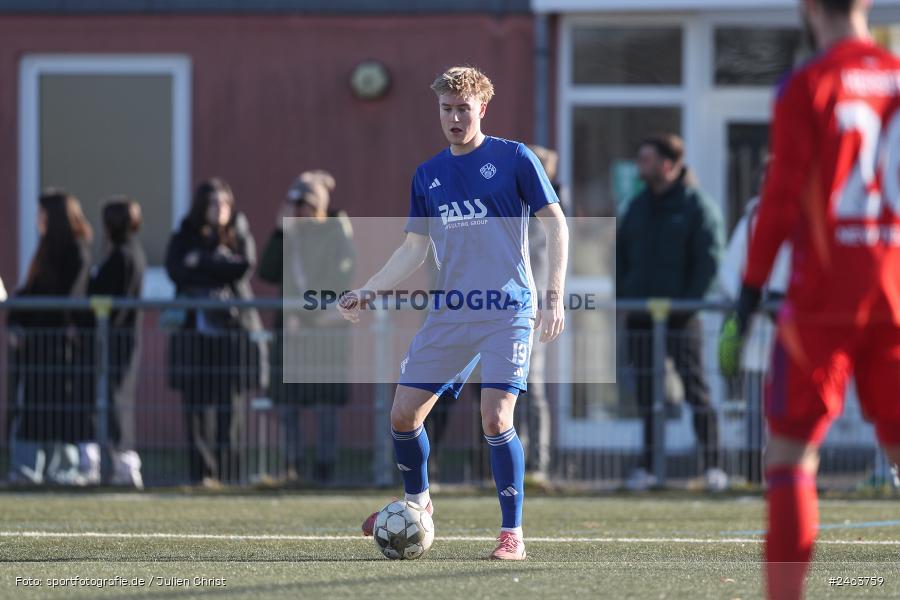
214 357
53 397
668 246
312 250
121 275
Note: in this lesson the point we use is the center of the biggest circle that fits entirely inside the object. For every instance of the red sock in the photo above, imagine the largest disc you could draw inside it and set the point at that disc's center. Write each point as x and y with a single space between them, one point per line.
793 522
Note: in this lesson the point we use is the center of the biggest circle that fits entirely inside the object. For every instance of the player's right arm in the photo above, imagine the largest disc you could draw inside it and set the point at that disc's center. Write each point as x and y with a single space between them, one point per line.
405 259
403 262
794 139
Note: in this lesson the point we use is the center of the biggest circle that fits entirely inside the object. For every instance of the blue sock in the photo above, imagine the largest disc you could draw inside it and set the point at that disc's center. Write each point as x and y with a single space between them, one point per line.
411 450
508 464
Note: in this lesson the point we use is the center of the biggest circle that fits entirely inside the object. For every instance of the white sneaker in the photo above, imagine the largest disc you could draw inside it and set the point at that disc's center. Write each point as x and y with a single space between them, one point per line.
69 477
716 480
126 469
640 480
89 462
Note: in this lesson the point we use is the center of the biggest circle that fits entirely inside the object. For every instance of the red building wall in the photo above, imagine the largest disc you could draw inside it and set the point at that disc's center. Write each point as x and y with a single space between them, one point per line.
271 97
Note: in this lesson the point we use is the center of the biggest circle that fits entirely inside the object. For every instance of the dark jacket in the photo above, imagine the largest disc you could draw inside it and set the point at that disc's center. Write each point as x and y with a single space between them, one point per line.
214 351
121 275
216 275
668 246
327 258
51 362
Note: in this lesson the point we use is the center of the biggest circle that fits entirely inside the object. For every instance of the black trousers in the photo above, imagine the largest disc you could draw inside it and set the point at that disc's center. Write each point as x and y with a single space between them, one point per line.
210 448
684 346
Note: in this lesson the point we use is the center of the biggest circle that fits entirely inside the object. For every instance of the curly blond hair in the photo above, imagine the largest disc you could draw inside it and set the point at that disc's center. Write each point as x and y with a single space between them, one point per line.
464 82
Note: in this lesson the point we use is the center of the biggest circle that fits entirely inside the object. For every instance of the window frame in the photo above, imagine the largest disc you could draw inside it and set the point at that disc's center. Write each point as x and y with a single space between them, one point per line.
606 24
32 67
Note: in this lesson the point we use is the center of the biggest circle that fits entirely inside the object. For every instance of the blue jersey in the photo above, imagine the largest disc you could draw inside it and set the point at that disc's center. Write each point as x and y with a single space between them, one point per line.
475 208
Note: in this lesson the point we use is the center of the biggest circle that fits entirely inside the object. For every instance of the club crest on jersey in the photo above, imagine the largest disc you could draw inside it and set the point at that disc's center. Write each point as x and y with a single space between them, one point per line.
450 213
488 171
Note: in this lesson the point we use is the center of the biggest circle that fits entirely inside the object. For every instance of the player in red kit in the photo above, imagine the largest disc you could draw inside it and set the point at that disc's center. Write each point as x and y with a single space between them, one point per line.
833 192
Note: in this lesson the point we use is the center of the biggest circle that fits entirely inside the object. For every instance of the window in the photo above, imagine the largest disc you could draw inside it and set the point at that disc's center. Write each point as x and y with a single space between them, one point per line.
605 144
110 134
747 149
627 55
755 56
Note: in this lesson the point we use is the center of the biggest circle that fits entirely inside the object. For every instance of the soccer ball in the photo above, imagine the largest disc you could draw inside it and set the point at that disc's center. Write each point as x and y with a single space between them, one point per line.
403 530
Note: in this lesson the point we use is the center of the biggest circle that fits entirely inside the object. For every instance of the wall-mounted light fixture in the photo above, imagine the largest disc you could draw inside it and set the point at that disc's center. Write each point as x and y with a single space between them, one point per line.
370 80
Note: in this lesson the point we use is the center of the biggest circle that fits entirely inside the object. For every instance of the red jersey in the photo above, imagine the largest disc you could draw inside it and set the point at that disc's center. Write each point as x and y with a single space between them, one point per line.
833 188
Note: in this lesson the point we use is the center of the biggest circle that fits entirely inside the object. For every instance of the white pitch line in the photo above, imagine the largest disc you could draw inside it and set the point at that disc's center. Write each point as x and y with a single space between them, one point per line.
449 538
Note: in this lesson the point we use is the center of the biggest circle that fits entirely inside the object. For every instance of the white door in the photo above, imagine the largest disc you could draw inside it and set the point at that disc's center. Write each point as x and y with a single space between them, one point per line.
737 132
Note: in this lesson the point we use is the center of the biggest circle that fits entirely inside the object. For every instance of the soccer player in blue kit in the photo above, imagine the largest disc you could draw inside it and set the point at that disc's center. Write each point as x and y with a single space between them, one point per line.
471 204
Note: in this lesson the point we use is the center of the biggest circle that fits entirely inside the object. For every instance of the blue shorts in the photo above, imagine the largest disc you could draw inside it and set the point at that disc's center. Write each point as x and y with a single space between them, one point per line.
442 356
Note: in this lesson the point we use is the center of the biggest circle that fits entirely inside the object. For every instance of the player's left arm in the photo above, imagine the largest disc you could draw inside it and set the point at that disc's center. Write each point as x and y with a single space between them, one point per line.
551 317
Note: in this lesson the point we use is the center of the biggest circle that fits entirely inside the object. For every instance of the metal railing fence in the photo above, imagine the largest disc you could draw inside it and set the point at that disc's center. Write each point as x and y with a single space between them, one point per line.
83 404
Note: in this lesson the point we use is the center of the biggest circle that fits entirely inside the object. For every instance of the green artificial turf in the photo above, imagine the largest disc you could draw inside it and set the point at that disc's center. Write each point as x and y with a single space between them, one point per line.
651 546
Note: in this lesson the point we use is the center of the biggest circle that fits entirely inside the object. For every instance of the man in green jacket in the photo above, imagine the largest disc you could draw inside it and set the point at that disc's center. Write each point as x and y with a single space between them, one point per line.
668 246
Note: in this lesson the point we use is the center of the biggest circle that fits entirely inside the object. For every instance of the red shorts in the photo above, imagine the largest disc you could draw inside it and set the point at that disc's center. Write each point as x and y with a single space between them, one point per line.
811 366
